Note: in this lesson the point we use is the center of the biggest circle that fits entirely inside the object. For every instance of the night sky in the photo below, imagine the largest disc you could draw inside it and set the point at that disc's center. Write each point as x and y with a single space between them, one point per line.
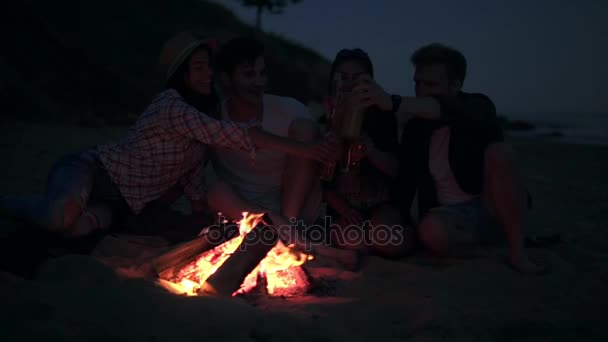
529 56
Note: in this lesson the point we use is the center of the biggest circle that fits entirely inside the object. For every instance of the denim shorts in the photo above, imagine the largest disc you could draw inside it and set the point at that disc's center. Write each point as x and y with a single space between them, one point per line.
472 216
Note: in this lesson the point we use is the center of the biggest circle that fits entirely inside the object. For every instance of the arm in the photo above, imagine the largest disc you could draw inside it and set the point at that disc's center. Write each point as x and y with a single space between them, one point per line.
384 161
468 108
194 188
348 215
471 109
380 142
187 121
424 108
371 93
300 119
265 140
325 151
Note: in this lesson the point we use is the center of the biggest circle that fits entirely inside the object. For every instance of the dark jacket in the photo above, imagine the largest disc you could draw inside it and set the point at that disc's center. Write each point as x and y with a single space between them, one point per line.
473 125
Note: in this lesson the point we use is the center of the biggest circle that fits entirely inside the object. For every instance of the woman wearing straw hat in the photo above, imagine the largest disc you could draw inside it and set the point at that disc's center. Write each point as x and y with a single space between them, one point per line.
164 151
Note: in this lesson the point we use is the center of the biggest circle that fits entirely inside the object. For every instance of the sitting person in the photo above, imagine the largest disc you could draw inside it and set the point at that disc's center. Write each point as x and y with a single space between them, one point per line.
363 193
452 154
285 186
161 157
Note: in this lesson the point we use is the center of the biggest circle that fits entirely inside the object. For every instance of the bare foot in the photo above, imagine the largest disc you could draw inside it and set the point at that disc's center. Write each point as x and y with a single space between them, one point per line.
525 266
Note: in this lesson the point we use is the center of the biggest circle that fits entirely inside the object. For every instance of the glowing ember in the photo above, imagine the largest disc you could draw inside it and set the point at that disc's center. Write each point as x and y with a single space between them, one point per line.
279 269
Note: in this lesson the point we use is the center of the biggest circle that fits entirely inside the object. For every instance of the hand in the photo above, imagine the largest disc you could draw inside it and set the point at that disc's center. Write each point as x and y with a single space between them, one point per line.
328 103
350 216
326 151
369 93
361 150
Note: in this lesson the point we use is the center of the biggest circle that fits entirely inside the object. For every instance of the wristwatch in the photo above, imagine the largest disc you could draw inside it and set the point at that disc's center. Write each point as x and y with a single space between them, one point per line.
396 99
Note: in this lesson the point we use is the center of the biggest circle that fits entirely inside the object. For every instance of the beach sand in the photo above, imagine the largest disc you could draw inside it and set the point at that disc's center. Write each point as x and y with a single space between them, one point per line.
75 298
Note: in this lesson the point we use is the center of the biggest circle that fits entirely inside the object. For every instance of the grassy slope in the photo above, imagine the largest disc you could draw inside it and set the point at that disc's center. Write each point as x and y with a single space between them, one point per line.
74 60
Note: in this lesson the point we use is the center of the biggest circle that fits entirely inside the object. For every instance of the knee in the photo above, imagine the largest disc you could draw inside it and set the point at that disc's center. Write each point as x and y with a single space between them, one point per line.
304 130
390 238
69 219
95 218
60 215
432 235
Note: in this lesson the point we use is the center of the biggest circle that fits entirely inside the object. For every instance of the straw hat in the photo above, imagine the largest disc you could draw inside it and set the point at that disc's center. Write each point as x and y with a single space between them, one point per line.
178 48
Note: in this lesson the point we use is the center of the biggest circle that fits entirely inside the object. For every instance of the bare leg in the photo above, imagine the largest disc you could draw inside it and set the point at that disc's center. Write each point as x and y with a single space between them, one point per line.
444 233
389 236
505 197
223 199
384 234
351 237
301 175
64 208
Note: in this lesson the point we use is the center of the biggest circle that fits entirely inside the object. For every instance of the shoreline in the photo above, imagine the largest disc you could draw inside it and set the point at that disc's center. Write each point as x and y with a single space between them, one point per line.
555 137
575 128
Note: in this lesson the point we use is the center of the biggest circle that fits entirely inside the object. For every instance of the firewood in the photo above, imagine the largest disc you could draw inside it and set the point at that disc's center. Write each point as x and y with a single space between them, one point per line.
254 248
347 258
168 263
294 281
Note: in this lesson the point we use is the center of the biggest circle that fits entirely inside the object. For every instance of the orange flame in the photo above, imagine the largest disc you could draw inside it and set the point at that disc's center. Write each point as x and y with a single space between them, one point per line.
279 259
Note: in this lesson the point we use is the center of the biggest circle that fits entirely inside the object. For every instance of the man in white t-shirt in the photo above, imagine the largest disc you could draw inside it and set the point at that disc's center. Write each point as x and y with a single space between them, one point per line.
285 185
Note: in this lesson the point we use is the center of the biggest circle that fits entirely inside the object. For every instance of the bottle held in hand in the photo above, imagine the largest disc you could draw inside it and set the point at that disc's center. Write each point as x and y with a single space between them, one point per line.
352 122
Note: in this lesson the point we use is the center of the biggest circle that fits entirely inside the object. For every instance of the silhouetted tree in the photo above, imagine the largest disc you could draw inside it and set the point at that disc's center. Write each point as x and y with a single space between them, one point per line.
271 6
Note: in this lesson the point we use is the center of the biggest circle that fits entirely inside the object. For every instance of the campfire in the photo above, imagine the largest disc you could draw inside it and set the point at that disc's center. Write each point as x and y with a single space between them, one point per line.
255 259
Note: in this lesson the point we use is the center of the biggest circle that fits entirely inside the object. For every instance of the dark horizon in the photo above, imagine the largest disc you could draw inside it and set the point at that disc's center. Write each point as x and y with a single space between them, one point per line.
546 56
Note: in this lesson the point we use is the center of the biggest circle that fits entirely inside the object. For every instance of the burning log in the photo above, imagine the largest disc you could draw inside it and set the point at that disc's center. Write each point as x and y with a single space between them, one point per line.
347 258
169 263
290 282
261 259
254 248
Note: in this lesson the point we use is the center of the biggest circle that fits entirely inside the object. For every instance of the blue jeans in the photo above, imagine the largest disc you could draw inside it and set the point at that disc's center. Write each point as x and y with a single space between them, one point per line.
472 216
79 178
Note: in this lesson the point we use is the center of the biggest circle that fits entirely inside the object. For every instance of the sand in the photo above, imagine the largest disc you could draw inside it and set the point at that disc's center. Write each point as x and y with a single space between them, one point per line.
75 298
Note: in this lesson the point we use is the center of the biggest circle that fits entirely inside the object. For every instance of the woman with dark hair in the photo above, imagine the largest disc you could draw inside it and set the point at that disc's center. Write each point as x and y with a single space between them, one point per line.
162 155
358 197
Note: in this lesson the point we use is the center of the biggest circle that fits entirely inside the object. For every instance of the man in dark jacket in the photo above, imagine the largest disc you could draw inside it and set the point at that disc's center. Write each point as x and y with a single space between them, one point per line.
453 156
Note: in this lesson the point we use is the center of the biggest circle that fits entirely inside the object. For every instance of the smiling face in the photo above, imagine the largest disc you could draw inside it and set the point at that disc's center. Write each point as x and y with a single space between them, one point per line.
248 81
199 74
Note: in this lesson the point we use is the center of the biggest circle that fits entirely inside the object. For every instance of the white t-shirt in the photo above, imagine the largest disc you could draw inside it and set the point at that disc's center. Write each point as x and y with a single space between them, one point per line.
448 190
260 181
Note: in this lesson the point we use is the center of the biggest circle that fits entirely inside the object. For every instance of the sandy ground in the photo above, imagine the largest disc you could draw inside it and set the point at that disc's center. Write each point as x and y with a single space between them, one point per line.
75 298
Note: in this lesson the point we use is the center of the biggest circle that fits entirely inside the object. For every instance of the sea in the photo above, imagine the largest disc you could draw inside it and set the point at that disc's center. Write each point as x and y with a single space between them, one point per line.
576 128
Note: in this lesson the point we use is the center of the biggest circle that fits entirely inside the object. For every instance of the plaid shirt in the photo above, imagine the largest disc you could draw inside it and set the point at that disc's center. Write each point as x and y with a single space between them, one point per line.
166 147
